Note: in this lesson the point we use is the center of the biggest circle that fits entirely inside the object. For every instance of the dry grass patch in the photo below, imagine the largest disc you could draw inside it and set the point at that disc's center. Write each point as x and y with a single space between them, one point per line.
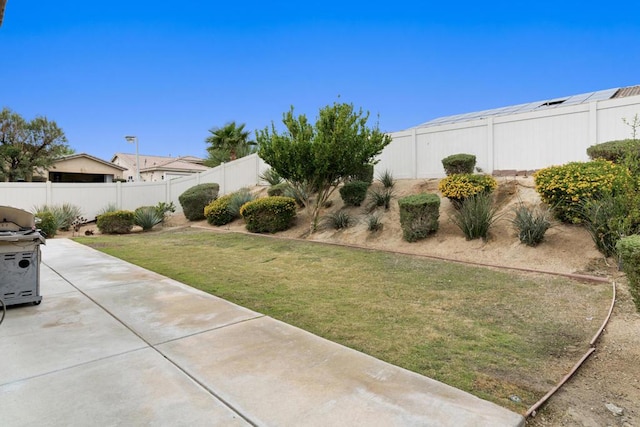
492 333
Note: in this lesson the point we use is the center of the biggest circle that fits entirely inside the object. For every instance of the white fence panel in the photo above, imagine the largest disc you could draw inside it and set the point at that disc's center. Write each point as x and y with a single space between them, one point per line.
537 140
90 198
398 157
610 115
24 196
434 145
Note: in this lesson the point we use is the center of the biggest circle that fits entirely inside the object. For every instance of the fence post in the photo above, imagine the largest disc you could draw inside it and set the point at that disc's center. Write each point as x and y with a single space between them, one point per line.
119 195
593 122
414 138
491 161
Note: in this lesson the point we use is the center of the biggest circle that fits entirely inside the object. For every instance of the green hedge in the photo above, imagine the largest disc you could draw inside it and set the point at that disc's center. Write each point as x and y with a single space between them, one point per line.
629 251
195 199
459 164
566 188
419 215
269 214
614 151
217 212
118 222
353 193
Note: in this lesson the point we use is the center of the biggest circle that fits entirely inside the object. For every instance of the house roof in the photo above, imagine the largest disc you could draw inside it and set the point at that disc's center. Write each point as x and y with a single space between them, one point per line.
151 163
536 106
88 156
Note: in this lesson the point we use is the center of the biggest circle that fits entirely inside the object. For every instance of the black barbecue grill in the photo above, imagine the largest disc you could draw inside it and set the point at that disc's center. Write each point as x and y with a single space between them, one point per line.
20 242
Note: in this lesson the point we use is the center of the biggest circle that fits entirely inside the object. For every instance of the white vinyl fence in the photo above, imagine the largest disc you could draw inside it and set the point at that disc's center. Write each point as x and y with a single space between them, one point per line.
94 197
521 142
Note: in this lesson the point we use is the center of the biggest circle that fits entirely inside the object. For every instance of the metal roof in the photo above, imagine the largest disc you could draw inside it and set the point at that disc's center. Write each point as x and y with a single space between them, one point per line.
535 106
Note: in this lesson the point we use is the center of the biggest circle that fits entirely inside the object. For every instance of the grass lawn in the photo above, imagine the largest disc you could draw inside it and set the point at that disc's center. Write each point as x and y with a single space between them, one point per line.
495 334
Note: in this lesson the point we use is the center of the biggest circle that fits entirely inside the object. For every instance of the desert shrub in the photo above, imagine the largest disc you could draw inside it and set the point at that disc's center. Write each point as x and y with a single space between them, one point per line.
339 220
239 198
419 215
196 198
475 216
386 178
459 164
118 222
147 217
47 223
217 212
609 218
614 151
269 214
364 174
163 208
380 198
278 189
374 223
64 214
271 176
566 188
628 248
353 193
461 186
531 223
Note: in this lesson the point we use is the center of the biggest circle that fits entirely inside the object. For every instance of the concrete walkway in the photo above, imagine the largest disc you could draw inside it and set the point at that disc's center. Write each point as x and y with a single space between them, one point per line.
115 344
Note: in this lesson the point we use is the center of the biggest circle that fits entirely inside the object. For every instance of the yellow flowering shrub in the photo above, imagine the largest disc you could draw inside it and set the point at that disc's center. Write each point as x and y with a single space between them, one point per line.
458 187
566 188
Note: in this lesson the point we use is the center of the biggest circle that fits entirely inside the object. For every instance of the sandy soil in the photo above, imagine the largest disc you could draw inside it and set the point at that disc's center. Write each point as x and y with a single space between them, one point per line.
611 376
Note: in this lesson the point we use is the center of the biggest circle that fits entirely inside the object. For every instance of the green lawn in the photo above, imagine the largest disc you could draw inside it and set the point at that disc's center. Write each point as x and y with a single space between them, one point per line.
492 333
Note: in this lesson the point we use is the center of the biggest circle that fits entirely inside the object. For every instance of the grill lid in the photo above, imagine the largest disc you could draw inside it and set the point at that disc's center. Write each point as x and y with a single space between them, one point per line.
10 218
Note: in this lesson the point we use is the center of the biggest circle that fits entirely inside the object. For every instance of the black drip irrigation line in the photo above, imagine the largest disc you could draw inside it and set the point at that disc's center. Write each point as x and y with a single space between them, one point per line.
533 410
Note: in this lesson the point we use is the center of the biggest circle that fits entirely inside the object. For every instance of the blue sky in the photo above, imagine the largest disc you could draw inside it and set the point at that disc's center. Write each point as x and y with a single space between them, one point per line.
167 72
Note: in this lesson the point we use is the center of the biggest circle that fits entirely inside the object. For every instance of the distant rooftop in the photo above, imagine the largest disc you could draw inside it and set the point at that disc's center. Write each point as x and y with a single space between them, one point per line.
537 106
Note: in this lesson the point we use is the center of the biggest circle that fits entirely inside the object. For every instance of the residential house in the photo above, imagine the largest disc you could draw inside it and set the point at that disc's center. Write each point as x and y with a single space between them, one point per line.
80 168
158 168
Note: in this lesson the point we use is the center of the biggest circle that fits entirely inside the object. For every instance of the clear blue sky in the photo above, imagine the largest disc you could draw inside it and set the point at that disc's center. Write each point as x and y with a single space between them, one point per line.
169 71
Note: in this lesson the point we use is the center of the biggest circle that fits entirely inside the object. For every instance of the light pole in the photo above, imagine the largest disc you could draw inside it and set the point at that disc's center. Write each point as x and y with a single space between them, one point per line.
134 139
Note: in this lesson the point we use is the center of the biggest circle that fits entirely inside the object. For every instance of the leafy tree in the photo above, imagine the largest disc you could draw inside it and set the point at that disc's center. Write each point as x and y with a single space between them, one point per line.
316 158
229 142
26 146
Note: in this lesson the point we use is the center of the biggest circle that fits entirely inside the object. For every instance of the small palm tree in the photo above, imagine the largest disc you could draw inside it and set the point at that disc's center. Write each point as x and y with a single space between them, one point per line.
231 139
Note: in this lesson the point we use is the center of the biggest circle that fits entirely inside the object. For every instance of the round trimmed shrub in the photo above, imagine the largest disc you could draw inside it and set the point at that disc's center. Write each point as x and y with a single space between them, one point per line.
48 224
458 187
459 163
566 188
118 222
194 200
269 214
364 173
218 212
353 193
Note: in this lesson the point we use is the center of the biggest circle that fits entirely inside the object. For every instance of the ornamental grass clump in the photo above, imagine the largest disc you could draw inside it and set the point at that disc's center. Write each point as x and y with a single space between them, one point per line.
476 216
147 217
610 218
531 223
566 188
339 220
458 187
